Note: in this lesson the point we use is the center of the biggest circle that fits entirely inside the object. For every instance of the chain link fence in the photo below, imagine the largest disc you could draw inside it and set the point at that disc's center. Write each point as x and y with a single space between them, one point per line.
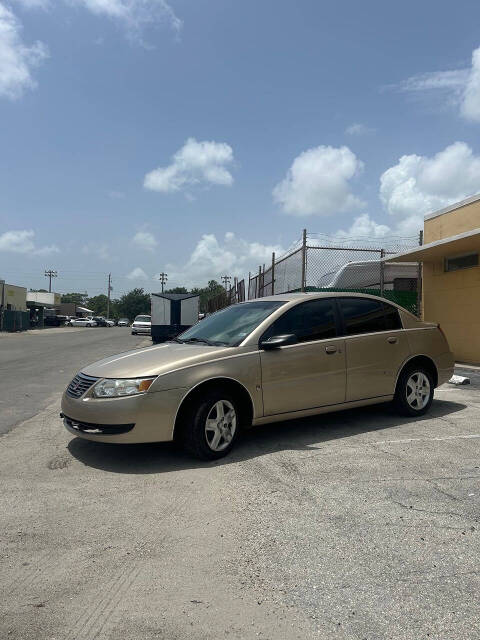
323 263
235 294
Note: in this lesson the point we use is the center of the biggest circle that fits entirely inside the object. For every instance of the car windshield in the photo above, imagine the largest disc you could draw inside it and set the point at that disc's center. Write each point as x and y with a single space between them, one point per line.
231 325
143 319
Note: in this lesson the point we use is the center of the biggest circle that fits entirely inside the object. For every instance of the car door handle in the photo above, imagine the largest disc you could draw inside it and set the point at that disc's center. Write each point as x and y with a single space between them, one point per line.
392 340
330 349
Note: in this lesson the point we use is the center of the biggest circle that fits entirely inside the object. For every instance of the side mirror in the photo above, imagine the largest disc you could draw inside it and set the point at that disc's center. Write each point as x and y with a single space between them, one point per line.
275 342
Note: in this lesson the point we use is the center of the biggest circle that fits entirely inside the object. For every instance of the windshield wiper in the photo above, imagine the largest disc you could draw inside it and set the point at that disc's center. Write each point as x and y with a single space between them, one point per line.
177 340
203 340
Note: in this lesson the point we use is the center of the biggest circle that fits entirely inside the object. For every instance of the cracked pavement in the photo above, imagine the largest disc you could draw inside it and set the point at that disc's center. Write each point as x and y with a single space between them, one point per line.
354 525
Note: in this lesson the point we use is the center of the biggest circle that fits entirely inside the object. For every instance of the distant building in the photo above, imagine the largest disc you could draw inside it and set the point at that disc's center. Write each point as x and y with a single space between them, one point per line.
14 297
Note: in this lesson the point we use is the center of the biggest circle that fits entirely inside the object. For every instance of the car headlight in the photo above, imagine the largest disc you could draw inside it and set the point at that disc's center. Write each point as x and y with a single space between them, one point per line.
111 388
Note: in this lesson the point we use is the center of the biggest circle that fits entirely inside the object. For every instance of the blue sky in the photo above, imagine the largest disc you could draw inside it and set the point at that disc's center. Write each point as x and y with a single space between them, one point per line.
141 136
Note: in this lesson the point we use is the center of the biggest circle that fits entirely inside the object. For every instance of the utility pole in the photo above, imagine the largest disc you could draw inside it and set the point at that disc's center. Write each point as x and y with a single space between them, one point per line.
226 280
109 289
163 279
49 273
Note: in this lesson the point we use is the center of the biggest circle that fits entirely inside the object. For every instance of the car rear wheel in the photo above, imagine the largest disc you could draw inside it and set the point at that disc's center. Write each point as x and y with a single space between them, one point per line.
414 393
211 425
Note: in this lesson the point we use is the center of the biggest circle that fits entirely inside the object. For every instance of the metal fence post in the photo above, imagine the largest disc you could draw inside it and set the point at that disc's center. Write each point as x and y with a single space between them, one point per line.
382 272
259 279
304 260
273 273
419 279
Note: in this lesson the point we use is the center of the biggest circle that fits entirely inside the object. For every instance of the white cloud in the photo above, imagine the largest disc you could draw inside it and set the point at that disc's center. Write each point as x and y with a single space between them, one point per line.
23 242
135 15
317 183
195 163
213 258
145 240
16 59
364 227
460 86
137 274
358 129
470 107
417 185
99 250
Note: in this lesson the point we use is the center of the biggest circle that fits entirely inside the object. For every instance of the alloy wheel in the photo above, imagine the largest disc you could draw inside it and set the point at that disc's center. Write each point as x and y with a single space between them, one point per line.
418 390
220 425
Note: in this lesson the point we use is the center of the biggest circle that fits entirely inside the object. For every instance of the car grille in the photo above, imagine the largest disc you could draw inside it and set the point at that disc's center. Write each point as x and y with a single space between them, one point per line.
79 385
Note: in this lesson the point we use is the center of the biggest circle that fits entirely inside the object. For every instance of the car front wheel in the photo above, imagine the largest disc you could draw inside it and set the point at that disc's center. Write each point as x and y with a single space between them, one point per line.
414 393
211 425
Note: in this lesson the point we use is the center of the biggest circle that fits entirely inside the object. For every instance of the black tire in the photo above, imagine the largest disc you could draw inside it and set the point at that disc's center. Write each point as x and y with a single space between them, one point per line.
194 433
407 401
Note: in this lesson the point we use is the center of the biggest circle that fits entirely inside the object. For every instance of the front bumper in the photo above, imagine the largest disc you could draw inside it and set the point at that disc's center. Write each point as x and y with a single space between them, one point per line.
147 417
145 330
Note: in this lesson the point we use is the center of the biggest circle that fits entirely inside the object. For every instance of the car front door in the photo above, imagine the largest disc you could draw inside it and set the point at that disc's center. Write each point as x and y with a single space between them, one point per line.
376 346
310 373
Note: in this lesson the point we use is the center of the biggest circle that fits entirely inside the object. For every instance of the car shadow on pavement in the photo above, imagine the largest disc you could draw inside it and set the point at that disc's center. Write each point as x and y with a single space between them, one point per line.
303 434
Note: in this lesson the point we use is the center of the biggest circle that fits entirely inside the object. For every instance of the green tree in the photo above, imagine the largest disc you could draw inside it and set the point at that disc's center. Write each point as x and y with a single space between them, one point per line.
132 304
176 290
98 304
212 290
77 298
39 290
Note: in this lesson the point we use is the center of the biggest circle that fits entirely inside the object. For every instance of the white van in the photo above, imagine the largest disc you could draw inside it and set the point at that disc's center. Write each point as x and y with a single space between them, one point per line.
397 276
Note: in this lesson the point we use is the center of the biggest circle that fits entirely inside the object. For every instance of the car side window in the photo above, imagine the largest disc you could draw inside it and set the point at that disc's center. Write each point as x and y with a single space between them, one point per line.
392 317
362 315
313 320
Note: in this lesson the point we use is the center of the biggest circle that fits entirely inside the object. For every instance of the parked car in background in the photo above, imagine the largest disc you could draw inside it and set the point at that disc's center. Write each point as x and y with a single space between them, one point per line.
103 322
142 324
83 322
123 322
276 358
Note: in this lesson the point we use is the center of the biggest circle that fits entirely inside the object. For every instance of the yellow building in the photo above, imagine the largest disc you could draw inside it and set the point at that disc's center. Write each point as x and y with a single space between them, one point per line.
451 275
13 297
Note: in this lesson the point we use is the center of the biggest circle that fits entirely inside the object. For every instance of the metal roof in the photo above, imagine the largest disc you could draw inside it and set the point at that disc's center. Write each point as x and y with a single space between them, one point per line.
461 243
176 296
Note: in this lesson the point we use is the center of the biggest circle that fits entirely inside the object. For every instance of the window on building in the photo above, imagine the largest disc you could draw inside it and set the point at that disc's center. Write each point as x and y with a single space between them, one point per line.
362 315
464 261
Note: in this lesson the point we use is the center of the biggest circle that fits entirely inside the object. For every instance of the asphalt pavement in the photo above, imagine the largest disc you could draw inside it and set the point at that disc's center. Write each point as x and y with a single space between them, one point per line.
35 365
355 525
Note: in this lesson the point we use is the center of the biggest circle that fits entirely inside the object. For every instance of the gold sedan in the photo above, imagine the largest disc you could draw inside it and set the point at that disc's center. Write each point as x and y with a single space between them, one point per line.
265 360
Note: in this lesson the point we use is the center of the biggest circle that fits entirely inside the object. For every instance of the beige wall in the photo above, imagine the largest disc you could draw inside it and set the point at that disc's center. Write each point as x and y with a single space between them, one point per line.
15 296
453 298
452 223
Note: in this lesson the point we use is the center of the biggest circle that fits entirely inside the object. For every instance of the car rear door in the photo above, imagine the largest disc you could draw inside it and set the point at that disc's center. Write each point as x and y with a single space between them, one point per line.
376 346
308 374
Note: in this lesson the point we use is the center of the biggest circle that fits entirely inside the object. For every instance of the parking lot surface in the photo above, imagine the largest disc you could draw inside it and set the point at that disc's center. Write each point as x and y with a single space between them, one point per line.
35 365
355 525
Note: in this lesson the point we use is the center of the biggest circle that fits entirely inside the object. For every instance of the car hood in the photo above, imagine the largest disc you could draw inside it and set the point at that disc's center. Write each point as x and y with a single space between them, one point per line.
155 360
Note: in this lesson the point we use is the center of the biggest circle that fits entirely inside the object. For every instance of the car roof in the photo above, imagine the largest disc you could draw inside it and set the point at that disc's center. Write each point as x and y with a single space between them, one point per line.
292 297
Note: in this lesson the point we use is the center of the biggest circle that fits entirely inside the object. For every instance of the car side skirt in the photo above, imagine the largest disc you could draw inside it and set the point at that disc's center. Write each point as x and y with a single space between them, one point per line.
279 417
